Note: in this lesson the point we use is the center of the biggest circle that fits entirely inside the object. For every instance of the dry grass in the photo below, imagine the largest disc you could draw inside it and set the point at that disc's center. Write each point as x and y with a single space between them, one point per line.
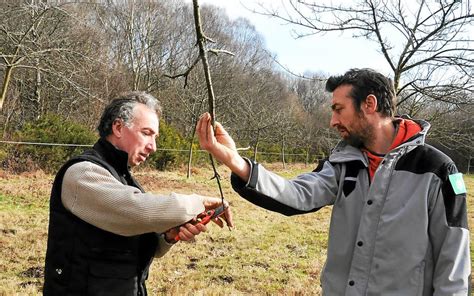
266 253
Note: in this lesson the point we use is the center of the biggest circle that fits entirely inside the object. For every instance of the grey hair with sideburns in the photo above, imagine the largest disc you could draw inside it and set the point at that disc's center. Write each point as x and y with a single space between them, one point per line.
123 107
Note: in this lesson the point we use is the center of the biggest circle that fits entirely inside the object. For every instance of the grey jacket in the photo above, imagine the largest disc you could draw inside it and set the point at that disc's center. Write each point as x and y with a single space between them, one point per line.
403 234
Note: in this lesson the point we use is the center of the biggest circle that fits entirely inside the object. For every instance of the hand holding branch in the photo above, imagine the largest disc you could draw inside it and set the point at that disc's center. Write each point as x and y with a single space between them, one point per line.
221 146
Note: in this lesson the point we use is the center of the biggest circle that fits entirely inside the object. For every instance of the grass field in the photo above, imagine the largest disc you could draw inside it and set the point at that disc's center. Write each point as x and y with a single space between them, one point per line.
266 253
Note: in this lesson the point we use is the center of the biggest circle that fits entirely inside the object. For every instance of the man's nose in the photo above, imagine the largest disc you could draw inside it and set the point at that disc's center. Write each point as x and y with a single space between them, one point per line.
334 121
151 146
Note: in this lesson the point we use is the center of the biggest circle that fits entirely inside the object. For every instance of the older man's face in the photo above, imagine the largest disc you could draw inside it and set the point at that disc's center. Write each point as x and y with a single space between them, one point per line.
139 140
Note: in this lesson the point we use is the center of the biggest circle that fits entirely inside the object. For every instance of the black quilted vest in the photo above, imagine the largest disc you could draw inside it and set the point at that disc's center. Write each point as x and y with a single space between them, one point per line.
82 259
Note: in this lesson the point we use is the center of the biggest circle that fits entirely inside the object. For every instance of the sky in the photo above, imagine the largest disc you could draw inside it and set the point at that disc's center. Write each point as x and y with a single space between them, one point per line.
331 54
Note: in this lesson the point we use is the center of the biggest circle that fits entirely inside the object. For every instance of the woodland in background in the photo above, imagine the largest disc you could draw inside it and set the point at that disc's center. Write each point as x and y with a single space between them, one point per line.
62 62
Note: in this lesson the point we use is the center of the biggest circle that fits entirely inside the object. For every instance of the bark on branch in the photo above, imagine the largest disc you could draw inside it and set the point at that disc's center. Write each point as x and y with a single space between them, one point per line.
201 39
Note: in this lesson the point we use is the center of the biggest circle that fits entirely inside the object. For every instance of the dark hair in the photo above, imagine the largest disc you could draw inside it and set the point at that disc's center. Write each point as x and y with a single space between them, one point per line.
122 108
365 82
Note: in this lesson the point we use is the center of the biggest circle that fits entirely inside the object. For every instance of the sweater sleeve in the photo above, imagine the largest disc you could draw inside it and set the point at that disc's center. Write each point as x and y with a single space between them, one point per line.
163 246
91 193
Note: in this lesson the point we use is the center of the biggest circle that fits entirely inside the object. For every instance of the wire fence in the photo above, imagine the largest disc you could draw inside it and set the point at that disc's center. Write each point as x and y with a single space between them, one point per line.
158 149
21 156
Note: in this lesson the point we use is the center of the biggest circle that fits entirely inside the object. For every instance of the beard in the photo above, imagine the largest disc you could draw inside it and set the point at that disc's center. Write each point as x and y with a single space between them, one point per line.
354 140
362 133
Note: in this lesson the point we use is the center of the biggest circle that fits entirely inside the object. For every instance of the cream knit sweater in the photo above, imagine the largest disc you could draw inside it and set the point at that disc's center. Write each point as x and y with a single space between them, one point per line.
91 193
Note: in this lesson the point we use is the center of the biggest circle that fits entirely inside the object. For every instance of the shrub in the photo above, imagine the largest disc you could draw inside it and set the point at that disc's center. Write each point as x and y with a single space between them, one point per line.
3 154
171 141
51 128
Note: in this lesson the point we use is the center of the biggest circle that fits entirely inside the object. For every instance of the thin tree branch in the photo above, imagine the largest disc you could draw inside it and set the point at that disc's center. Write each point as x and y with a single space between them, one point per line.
201 39
185 74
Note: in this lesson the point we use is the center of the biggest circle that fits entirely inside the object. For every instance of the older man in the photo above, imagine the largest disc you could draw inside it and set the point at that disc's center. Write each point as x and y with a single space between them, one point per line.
104 230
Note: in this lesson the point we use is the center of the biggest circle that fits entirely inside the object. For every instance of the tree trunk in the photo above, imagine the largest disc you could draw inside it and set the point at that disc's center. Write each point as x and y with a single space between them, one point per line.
7 121
255 151
37 99
6 82
133 60
190 153
396 81
190 158
469 165
255 147
283 153
307 157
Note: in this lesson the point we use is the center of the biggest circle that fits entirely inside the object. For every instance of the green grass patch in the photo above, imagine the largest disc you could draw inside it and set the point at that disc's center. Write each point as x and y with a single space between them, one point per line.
266 253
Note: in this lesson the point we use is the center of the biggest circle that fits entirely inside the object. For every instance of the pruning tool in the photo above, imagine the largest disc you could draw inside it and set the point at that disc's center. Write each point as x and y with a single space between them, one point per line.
206 216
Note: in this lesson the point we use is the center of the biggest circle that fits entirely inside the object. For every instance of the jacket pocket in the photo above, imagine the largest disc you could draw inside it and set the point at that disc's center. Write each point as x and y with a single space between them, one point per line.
106 279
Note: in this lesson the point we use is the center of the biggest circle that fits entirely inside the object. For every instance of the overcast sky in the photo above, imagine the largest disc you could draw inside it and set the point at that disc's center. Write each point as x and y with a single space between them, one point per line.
332 54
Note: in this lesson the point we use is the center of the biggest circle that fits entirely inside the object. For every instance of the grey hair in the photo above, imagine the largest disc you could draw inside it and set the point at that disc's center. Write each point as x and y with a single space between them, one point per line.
123 107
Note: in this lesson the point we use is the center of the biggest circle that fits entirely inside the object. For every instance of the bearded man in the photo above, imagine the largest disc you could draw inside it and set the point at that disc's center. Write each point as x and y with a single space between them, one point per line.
399 219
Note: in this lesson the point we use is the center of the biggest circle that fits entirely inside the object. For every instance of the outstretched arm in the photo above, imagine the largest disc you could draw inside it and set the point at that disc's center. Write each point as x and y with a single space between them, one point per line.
221 146
306 193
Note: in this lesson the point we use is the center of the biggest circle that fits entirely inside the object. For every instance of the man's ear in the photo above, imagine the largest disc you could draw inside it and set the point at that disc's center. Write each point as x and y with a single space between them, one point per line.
370 104
117 128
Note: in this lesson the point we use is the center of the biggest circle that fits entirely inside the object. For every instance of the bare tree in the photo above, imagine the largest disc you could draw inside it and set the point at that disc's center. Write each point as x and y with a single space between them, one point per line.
21 47
428 46
284 132
46 57
261 108
148 39
313 132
